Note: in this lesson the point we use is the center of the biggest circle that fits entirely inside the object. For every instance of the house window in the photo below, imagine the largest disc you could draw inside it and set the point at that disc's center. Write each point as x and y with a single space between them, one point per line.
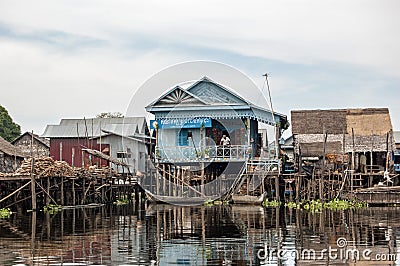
183 137
123 154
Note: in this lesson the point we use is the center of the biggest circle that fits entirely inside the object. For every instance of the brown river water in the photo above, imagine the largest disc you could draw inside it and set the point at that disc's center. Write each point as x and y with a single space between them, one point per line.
216 235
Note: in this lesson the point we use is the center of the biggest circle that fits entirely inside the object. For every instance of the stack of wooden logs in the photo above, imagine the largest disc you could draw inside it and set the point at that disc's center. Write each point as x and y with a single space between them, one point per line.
95 172
6 174
45 167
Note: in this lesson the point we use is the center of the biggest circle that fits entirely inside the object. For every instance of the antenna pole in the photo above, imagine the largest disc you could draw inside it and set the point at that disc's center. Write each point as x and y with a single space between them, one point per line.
273 118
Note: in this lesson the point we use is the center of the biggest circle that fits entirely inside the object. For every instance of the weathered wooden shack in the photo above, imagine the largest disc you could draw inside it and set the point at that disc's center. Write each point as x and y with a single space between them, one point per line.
11 157
335 135
40 146
121 138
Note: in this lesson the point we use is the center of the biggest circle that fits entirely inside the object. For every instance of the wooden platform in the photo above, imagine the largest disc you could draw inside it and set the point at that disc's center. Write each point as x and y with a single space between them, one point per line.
378 195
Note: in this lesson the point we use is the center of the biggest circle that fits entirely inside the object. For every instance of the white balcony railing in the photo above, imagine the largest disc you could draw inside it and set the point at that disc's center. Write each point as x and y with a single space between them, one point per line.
198 154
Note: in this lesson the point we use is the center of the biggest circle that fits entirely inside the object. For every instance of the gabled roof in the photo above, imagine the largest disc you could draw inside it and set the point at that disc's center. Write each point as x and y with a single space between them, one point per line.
207 98
214 93
44 141
202 92
10 149
177 95
95 127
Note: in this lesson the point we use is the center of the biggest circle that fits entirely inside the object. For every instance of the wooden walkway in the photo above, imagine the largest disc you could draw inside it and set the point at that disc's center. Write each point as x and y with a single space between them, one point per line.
378 195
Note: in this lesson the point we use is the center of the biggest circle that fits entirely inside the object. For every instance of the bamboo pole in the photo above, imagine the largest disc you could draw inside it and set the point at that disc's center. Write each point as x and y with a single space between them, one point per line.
321 178
277 188
73 192
185 183
48 190
84 189
170 181
33 183
164 189
16 191
62 190
370 154
352 161
45 192
202 177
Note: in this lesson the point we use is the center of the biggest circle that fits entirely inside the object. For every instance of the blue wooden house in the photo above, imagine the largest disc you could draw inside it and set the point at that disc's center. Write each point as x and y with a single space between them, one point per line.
190 122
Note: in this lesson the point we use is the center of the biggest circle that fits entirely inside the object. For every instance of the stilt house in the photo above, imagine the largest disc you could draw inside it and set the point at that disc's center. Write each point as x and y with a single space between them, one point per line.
123 139
337 135
11 157
190 125
40 146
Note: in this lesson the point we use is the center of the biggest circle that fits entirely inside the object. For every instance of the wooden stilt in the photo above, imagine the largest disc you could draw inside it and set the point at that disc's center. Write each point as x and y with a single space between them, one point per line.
277 196
202 178
297 188
62 190
352 161
33 183
170 181
83 190
164 188
48 191
16 191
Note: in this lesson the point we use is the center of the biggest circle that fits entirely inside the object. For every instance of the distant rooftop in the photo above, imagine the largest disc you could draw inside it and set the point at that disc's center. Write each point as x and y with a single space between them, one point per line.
95 127
396 136
9 149
364 121
44 141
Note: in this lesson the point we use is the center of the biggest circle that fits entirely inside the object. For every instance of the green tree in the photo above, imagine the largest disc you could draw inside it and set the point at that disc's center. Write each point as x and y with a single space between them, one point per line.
110 115
8 129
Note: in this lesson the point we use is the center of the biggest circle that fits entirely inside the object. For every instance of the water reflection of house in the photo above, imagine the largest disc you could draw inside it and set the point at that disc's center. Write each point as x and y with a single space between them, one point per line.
190 124
367 132
122 138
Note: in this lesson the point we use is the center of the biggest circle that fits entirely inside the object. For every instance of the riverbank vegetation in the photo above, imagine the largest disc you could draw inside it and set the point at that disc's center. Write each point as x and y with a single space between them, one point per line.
318 206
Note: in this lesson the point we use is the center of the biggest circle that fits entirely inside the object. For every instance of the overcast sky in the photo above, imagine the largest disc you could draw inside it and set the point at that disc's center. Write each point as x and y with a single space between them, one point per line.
69 59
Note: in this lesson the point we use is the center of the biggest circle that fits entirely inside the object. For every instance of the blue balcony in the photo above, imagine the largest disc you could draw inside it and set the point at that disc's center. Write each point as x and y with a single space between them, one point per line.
187 154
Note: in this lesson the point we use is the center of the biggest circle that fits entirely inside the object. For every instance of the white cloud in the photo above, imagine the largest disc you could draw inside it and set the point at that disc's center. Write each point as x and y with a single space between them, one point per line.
356 32
75 58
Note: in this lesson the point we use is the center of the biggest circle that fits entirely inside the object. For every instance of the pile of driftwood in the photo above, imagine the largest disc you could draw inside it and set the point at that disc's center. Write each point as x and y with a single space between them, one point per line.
45 167
6 174
96 172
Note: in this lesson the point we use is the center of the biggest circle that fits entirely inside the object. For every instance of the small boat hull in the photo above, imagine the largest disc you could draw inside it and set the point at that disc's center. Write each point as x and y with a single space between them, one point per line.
247 199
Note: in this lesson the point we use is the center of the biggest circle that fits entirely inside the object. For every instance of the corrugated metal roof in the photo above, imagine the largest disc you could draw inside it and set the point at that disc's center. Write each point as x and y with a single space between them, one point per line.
94 127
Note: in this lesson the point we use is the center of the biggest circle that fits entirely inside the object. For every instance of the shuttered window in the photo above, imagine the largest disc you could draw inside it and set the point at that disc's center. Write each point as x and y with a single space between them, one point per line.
183 137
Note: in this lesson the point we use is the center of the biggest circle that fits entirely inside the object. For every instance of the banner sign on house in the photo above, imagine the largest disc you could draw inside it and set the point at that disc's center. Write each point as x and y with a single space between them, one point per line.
181 123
